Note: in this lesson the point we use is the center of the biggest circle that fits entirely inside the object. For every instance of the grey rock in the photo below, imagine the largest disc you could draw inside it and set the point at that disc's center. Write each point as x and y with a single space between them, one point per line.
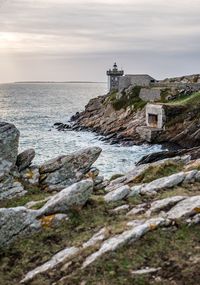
146 270
25 158
190 176
126 237
164 182
164 204
158 184
184 209
95 239
15 222
117 194
197 177
61 257
136 172
136 190
140 209
10 188
120 209
67 169
72 197
5 167
9 141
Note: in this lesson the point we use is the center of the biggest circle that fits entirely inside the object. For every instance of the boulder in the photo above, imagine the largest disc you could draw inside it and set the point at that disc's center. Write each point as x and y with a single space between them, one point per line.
65 170
117 194
15 222
186 208
25 158
10 187
9 141
74 196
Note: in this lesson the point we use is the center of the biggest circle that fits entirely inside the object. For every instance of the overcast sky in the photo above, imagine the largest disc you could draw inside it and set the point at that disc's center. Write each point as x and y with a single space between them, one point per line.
80 39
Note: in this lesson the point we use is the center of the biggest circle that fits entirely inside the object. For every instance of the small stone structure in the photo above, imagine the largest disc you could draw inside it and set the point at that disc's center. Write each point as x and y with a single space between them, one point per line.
155 121
155 116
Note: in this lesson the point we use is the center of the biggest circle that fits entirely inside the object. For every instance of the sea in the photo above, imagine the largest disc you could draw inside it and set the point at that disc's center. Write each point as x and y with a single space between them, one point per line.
35 107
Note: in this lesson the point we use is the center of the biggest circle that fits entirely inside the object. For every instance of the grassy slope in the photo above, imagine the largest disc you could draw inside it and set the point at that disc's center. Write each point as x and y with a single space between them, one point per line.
168 248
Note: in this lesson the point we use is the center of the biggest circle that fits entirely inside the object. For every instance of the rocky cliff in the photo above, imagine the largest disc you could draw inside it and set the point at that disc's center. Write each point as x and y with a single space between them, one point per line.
117 115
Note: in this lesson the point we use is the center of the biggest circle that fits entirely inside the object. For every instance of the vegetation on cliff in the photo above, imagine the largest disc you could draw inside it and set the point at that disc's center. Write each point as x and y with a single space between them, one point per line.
126 99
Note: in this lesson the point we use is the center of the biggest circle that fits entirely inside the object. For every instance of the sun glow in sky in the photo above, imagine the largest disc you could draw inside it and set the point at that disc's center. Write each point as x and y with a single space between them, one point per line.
80 39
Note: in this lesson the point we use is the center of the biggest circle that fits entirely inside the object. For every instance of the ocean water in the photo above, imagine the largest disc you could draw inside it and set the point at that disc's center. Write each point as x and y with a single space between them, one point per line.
34 108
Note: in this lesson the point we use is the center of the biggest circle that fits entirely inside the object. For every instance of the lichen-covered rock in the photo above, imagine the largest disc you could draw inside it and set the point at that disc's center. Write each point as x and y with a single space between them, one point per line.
186 208
31 175
65 170
10 187
9 141
117 194
72 197
25 158
15 222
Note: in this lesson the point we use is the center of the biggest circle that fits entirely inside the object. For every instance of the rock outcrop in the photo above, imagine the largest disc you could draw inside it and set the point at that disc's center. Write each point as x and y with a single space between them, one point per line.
20 221
25 158
65 170
70 198
9 141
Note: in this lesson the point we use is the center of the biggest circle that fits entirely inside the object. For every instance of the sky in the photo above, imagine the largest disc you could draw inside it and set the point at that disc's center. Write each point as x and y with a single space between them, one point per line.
64 40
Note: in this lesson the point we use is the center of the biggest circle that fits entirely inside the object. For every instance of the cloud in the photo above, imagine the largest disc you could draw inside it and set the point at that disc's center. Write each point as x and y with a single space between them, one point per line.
65 29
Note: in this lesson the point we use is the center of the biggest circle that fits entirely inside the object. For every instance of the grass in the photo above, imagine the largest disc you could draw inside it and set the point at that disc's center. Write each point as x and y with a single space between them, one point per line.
171 249
159 171
191 100
30 252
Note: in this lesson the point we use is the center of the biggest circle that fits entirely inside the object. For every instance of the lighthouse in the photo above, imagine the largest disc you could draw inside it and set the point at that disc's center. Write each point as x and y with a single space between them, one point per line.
113 77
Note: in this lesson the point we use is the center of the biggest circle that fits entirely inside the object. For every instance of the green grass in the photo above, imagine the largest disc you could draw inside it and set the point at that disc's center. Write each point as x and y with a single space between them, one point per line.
159 171
30 252
170 249
191 100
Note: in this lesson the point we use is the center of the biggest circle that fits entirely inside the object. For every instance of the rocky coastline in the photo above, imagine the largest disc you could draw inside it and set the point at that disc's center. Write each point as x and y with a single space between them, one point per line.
119 117
61 222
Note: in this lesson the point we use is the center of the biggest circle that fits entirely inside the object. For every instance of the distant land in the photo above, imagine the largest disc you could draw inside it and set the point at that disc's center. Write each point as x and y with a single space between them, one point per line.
28 82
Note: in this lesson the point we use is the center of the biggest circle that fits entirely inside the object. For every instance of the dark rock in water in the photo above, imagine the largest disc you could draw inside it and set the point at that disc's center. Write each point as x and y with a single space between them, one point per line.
65 170
62 127
25 158
9 141
156 156
57 124
75 117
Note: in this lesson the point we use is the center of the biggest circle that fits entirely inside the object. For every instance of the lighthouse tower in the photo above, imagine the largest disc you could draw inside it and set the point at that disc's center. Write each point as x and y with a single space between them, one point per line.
113 77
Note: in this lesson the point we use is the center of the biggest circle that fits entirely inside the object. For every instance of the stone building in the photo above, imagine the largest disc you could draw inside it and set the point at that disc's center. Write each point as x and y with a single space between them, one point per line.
143 80
118 81
114 76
